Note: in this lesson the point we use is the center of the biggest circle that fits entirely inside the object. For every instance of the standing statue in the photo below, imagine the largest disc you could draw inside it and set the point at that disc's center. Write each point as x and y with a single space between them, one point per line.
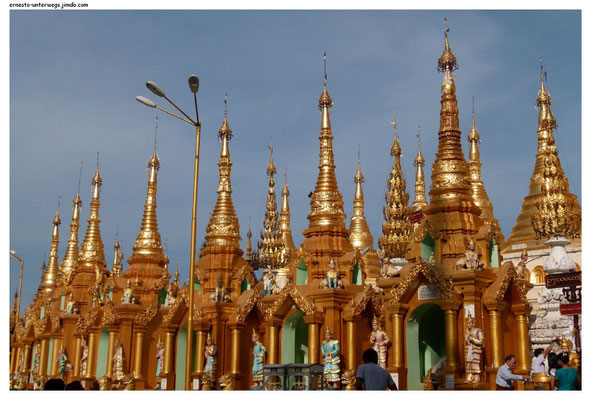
84 358
211 358
471 259
380 341
159 356
521 268
474 342
118 360
268 282
258 361
62 360
70 304
127 293
330 353
36 359
332 279
566 346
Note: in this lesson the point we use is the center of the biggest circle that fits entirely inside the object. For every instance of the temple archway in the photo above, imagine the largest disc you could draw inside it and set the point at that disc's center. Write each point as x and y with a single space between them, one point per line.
425 342
102 354
294 339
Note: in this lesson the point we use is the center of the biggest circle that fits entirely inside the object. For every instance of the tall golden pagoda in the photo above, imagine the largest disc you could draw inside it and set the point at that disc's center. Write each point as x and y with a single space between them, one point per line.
49 278
420 200
452 210
148 260
271 245
523 232
478 192
397 228
70 260
289 247
327 236
360 236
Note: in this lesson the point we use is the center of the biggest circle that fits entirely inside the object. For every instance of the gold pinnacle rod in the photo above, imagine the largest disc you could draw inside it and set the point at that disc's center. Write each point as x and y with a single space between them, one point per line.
20 288
189 356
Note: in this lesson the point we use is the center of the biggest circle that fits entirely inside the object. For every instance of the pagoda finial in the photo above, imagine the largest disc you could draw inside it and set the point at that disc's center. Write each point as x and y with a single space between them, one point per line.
223 228
117 256
50 275
248 256
70 260
420 199
557 213
447 61
359 236
326 201
395 150
285 222
397 227
479 195
148 243
92 251
271 246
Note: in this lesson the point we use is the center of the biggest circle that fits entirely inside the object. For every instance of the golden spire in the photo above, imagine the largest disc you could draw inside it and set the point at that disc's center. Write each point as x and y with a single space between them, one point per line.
397 228
360 236
148 242
70 260
92 251
420 200
285 222
523 231
50 275
117 257
450 178
271 246
557 214
223 228
326 204
248 245
474 166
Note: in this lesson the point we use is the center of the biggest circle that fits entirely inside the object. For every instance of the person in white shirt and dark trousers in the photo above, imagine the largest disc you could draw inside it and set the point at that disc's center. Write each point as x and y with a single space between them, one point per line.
505 375
537 364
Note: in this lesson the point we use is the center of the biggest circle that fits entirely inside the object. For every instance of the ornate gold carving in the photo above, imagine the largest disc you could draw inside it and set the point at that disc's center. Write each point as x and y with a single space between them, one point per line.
70 260
511 275
358 304
426 229
243 311
105 383
397 227
420 200
84 323
444 287
109 316
226 382
92 251
304 303
145 317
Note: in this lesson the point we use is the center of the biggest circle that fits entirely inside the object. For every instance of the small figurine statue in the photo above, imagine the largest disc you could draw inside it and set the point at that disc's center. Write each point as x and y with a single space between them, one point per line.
118 360
332 279
220 295
330 353
566 346
127 293
349 379
226 382
211 358
281 280
432 258
474 343
159 356
521 266
380 341
36 359
471 259
258 361
70 304
84 358
268 282
62 361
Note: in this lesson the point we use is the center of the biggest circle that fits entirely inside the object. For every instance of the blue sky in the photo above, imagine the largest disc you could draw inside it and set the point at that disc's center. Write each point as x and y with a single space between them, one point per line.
74 77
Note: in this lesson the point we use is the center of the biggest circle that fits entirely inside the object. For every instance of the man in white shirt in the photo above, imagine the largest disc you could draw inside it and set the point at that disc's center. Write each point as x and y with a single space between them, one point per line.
537 364
505 376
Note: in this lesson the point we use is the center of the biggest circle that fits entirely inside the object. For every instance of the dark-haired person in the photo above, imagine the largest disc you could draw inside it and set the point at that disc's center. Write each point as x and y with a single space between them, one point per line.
74 385
54 384
370 376
505 375
566 376
537 364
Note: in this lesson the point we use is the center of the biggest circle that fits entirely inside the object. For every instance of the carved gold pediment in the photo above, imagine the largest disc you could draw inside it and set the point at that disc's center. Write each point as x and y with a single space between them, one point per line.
443 286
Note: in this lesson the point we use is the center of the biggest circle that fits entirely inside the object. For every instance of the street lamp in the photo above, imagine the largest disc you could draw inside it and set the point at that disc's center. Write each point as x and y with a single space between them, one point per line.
194 87
20 284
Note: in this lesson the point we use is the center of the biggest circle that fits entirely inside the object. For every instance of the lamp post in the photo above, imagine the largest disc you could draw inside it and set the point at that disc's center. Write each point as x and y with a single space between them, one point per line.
194 87
20 284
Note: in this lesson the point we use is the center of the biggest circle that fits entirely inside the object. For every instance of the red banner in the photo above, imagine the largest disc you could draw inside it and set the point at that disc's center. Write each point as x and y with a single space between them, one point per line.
570 309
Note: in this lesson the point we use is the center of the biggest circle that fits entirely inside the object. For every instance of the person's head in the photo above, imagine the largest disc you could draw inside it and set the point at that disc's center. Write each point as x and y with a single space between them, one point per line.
563 359
370 356
95 385
54 384
511 361
74 385
537 352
